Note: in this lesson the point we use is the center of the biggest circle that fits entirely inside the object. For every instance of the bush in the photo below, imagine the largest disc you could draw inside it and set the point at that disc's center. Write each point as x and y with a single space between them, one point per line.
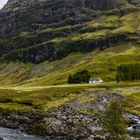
79 77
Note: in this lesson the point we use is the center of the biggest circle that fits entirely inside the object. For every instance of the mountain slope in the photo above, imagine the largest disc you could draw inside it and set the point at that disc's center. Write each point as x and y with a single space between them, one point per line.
48 30
43 41
100 63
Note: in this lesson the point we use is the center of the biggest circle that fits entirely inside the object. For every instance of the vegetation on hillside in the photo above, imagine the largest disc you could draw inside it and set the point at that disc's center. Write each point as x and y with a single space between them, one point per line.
102 64
95 38
79 77
46 98
128 72
64 30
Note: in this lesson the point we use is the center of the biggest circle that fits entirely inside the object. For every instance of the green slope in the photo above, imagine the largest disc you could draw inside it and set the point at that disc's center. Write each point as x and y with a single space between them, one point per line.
100 63
100 43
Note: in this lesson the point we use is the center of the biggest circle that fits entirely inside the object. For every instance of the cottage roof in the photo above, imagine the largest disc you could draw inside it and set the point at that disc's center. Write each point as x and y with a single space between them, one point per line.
94 79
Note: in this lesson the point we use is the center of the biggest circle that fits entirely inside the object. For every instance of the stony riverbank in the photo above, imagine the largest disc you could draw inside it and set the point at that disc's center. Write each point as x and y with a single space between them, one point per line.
74 120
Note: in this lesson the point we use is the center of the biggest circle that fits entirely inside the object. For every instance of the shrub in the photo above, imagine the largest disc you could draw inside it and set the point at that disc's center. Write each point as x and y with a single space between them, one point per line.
79 77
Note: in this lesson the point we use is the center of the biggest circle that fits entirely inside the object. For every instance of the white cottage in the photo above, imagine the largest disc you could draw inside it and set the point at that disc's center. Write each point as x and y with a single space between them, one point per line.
95 80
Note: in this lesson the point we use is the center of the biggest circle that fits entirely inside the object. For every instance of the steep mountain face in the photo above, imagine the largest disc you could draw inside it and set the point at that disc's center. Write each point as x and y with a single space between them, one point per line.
38 30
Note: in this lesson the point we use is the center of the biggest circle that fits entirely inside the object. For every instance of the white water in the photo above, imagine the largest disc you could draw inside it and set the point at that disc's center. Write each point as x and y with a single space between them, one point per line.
2 3
9 134
136 125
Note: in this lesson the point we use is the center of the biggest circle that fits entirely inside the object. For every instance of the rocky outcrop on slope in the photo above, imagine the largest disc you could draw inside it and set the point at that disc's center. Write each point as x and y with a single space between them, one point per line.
29 28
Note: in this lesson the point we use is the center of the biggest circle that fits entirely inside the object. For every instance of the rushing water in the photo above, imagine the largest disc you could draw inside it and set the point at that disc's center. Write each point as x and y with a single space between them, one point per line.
135 126
2 3
8 134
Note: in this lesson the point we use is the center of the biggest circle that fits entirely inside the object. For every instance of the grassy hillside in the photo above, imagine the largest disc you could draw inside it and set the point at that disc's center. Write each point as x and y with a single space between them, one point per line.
100 43
100 63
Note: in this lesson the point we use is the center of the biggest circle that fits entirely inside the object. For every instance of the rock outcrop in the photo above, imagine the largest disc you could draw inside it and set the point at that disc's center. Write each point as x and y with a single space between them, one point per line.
38 30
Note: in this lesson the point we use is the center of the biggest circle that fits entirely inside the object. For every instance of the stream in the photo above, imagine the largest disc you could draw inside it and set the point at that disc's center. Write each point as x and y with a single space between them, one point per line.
9 134
135 124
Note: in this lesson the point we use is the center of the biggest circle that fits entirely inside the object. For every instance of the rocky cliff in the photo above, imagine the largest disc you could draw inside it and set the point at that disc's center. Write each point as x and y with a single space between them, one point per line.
38 30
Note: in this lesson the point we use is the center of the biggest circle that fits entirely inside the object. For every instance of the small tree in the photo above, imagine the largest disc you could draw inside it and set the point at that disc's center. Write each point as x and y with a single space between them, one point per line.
114 122
79 77
70 79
